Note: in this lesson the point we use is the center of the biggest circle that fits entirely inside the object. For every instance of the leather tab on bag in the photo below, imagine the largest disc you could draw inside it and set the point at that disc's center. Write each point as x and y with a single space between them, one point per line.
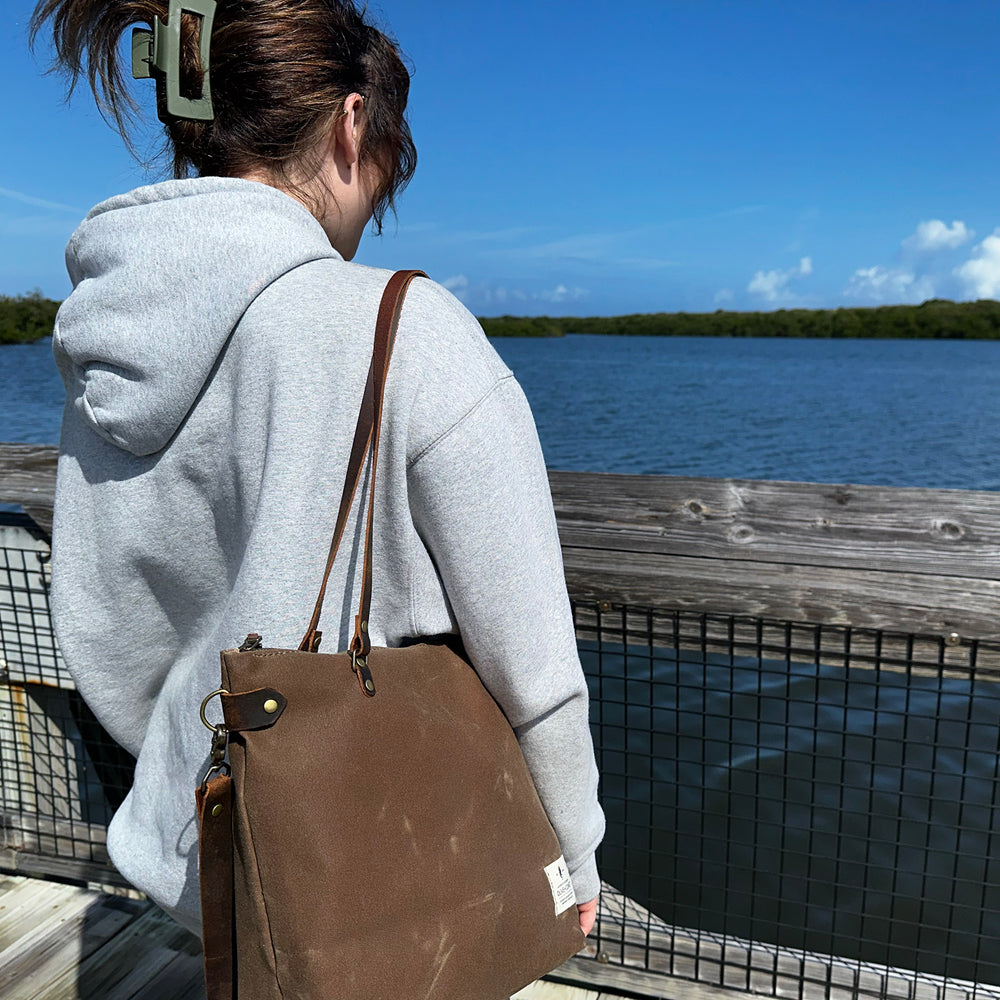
214 801
257 709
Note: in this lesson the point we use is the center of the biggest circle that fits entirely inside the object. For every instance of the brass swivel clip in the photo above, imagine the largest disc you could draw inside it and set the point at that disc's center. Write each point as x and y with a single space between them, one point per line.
220 742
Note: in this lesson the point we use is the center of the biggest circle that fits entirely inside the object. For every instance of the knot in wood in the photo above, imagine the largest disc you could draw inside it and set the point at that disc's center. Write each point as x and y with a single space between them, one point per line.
742 533
695 506
949 529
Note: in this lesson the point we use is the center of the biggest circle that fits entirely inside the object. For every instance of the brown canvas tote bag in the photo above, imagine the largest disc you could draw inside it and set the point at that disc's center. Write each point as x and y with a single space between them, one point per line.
375 832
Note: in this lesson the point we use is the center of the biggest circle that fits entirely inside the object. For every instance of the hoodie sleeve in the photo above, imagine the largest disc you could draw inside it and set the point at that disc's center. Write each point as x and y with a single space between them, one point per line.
480 501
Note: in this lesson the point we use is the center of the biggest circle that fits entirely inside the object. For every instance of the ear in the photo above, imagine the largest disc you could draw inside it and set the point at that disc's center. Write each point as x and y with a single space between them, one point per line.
348 127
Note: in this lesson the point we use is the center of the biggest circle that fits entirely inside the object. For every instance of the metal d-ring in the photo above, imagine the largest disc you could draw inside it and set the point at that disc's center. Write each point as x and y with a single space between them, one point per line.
207 699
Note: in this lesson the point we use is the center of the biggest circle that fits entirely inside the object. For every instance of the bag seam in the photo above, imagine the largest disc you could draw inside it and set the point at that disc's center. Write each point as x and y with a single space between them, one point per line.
260 883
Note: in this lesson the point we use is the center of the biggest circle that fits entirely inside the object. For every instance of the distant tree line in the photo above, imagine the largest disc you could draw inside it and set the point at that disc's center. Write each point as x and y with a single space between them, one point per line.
934 319
24 318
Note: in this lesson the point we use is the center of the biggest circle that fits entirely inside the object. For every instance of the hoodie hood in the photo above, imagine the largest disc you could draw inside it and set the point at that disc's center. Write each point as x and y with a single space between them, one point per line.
161 277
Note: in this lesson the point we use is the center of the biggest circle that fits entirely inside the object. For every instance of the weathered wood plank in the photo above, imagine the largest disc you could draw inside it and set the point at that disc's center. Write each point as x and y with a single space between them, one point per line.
28 474
48 866
25 903
182 978
820 524
41 924
926 561
130 961
780 640
906 602
860 527
57 953
543 990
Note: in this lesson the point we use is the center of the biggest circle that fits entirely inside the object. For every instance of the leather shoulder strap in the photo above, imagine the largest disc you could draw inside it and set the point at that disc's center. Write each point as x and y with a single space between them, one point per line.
367 429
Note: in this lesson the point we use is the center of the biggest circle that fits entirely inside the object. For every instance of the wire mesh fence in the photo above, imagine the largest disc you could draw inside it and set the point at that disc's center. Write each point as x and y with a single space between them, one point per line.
793 810
61 776
779 794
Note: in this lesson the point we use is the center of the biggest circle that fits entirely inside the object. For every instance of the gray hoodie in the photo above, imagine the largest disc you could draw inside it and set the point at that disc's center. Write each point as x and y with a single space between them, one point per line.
214 351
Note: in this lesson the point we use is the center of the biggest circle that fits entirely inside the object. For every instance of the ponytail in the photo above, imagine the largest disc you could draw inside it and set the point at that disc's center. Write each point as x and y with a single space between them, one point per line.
280 73
86 35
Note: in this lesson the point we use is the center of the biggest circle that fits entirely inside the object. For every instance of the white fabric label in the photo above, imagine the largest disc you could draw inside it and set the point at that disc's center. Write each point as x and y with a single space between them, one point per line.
560 884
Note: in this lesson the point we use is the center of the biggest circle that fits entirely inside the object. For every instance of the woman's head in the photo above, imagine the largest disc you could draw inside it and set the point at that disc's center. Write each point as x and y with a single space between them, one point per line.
282 72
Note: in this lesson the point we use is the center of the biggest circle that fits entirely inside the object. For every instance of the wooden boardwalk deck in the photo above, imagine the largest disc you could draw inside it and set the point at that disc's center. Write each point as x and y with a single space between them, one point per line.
65 942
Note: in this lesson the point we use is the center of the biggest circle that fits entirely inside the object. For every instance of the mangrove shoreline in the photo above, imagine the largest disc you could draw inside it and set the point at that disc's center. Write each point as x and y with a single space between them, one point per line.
26 318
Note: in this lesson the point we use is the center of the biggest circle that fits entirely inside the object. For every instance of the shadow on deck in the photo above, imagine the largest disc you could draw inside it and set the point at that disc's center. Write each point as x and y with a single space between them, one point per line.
66 942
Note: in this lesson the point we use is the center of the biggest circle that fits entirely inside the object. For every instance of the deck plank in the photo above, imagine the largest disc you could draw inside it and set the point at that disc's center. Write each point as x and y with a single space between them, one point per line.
65 942
129 963
40 913
57 955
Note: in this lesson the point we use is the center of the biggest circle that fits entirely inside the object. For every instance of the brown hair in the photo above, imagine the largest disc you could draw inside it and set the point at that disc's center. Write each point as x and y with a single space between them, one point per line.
281 71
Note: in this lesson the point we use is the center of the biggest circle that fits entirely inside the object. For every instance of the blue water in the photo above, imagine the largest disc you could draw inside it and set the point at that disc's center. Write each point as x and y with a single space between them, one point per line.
32 393
889 412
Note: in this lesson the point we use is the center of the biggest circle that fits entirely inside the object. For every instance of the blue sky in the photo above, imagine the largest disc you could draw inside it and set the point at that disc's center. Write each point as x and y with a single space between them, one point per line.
600 157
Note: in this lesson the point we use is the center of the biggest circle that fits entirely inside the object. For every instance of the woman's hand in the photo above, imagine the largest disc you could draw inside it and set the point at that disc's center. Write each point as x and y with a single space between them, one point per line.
588 914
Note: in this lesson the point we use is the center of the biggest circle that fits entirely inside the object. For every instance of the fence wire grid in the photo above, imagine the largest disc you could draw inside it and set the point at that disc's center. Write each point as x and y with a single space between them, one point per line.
797 810
793 810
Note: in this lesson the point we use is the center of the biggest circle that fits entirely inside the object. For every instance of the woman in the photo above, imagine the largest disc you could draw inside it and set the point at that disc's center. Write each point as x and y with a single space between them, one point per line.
214 351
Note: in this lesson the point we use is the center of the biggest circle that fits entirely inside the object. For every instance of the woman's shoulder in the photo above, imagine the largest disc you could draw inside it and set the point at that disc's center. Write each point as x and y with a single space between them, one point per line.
446 333
437 334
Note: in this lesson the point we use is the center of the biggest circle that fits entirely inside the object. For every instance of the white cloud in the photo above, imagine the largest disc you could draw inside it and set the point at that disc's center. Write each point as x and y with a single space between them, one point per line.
724 295
772 285
563 294
458 285
499 295
935 235
980 274
28 199
883 284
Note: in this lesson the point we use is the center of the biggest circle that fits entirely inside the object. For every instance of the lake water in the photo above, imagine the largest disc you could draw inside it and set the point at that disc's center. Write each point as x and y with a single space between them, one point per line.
898 413
889 412
902 413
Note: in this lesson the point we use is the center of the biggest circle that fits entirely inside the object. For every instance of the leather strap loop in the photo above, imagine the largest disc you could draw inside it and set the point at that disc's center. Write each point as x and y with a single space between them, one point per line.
369 419
214 802
250 710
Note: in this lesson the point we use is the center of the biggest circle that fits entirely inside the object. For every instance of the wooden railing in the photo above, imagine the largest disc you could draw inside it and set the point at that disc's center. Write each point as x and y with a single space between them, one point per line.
923 561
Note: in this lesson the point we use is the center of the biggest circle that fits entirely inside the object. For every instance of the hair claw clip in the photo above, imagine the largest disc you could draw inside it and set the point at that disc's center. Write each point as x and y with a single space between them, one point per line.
157 54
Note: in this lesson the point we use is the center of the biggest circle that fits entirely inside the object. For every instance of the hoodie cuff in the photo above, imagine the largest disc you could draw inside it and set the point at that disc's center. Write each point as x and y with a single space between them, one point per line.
586 881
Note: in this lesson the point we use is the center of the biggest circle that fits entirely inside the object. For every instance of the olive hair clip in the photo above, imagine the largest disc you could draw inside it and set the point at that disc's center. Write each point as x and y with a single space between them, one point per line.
156 54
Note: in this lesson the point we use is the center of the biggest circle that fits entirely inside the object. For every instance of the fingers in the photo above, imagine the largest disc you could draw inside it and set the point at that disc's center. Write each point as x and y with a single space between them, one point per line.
588 915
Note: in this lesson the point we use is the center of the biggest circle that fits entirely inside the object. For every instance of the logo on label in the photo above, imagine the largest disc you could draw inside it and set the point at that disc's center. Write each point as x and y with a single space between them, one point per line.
561 885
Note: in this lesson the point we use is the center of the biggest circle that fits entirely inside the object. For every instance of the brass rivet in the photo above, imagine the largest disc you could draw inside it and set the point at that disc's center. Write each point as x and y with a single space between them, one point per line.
364 626
217 809
361 662
953 639
369 686
270 706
